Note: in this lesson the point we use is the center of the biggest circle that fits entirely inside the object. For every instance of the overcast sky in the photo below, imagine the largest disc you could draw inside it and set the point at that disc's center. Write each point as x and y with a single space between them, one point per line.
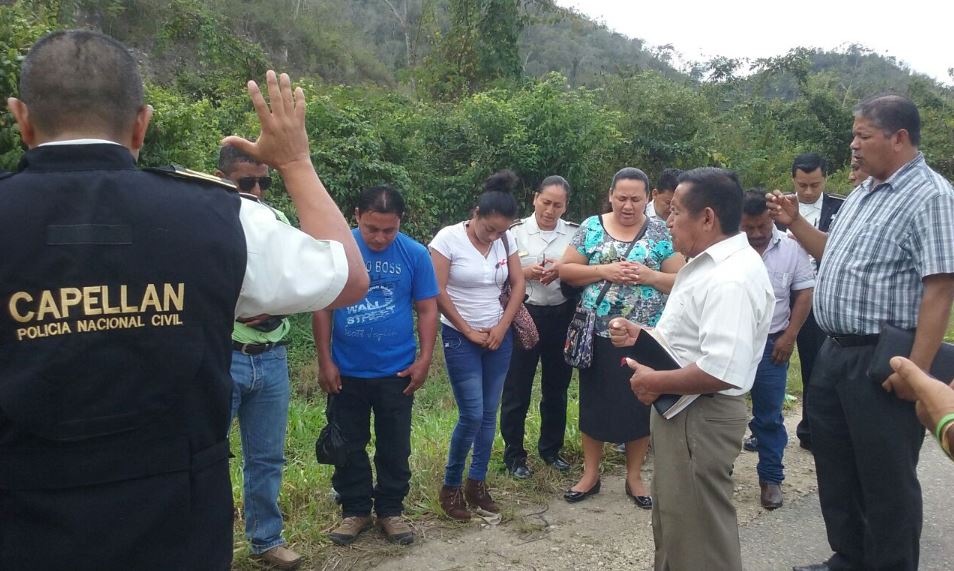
918 32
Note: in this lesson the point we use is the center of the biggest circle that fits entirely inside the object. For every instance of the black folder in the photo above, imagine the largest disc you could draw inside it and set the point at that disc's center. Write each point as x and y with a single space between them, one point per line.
649 352
896 342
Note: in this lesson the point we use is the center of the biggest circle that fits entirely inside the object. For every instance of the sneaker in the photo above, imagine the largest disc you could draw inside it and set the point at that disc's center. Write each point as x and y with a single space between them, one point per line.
452 502
751 443
279 557
349 530
396 529
335 495
477 496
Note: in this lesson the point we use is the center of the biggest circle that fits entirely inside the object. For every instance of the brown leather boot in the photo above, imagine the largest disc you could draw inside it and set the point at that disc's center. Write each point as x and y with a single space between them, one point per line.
477 496
452 502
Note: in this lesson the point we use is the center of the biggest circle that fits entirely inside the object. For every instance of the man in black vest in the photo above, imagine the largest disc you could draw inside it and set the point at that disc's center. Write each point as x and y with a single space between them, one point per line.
118 290
809 175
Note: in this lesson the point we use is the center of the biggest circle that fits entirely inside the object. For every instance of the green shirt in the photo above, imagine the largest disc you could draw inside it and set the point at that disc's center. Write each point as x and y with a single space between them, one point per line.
242 333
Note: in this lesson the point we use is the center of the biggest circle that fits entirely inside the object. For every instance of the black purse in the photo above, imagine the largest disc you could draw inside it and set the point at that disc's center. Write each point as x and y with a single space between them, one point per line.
331 447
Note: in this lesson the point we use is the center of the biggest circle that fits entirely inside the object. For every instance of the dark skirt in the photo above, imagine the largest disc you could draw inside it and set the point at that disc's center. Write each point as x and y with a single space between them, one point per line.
609 411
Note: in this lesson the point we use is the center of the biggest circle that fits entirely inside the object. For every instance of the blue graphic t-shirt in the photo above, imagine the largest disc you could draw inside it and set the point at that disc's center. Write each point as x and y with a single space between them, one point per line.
374 338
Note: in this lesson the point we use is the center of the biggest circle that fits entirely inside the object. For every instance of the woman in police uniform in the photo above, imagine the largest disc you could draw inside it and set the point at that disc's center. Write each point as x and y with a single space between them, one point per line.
541 240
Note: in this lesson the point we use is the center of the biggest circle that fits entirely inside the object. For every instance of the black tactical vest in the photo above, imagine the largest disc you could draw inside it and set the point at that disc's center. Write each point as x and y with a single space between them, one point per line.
117 296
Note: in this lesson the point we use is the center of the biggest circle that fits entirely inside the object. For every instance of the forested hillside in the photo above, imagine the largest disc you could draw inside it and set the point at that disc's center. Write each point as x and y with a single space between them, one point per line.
434 95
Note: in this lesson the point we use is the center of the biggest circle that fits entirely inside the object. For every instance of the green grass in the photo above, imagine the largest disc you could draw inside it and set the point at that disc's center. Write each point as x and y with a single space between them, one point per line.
305 498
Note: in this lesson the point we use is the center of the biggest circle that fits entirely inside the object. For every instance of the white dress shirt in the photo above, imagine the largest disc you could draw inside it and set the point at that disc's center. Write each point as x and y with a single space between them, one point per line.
286 270
531 244
719 312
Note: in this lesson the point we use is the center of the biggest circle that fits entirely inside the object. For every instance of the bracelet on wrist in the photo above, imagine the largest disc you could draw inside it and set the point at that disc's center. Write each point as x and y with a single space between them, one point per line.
942 425
946 441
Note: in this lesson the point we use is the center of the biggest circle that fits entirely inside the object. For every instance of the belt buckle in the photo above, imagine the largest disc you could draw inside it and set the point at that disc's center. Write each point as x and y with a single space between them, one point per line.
244 350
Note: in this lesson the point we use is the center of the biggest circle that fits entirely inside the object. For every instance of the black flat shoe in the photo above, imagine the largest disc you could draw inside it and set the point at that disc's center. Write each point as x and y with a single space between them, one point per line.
558 463
573 496
642 502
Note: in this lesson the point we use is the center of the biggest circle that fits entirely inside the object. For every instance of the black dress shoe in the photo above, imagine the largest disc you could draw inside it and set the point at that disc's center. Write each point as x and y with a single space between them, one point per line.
573 496
558 463
750 444
813 567
519 470
806 444
642 502
771 497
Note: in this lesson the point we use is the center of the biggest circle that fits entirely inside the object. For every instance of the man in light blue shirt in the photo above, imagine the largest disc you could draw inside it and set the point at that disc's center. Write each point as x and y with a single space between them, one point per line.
793 281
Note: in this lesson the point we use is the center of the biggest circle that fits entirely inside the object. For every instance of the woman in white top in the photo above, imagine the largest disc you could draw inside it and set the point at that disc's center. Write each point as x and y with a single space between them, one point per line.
472 264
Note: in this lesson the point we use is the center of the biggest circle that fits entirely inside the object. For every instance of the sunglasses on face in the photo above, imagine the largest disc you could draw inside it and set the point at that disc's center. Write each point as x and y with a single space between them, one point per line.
247 183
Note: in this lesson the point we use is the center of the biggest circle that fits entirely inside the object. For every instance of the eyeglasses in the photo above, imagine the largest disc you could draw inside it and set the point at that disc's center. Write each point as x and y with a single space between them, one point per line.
247 183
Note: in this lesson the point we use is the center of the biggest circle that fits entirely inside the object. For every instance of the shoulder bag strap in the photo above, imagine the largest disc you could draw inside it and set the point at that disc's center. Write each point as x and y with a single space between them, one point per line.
639 236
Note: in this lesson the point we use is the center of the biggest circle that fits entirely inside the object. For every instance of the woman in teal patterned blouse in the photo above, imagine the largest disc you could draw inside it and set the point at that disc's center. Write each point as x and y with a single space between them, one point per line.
609 411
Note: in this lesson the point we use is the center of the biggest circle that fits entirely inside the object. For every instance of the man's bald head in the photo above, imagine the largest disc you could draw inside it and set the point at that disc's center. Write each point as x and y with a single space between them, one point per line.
77 81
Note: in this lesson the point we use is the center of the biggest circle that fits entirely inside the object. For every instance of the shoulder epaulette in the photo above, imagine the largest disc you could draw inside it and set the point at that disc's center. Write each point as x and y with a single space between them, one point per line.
515 224
182 172
573 224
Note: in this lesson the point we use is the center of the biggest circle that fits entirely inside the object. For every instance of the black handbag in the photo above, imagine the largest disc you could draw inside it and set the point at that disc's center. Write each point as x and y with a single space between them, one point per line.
331 447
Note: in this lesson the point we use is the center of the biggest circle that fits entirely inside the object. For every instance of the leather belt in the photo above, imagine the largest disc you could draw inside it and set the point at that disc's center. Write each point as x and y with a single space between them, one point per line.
854 340
253 349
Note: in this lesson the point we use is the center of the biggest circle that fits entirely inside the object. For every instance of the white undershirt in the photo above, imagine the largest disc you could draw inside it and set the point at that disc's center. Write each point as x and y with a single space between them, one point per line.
811 212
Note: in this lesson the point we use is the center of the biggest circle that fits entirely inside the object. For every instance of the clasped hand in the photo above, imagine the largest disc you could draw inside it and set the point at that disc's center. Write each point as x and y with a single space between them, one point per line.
625 273
489 338
542 274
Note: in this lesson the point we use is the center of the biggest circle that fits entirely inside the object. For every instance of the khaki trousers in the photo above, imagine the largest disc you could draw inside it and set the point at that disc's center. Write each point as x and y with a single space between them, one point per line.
694 522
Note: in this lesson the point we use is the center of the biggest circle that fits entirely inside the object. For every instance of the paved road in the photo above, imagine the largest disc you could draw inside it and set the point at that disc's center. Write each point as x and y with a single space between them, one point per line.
796 535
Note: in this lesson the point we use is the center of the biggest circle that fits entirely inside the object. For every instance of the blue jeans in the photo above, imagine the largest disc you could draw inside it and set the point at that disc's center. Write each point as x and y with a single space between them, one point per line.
768 394
260 395
477 378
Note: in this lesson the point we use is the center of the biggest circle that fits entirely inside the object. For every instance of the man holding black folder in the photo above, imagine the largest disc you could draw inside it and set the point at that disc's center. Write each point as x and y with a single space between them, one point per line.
888 261
715 325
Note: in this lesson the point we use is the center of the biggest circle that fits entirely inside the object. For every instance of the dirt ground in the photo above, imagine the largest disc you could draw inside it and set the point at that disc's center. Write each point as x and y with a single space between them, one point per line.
604 532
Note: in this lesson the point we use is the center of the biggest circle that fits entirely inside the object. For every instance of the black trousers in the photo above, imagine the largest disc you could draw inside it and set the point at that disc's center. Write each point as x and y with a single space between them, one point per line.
866 444
551 322
392 446
809 341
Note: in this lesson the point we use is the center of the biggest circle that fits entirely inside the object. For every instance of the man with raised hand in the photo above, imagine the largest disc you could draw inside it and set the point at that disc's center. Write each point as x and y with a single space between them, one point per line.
119 288
888 258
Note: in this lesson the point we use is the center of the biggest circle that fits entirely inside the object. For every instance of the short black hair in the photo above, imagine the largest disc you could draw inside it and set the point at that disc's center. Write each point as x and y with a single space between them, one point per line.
891 113
630 173
76 79
556 180
497 197
668 180
809 162
382 199
754 202
718 189
229 155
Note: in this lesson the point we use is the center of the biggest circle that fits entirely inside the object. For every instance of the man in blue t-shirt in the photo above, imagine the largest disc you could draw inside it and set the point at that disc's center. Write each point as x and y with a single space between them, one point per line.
368 362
